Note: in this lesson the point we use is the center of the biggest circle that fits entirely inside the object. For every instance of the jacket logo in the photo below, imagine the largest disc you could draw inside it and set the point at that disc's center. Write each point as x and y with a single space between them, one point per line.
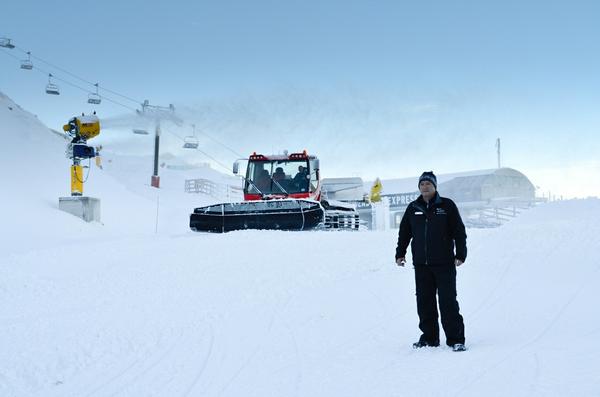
418 213
440 211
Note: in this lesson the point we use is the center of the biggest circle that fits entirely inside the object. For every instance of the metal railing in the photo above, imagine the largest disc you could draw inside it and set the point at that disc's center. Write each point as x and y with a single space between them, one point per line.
213 189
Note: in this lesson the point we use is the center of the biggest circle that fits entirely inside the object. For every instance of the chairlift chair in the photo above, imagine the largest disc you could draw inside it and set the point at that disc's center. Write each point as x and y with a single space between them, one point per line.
26 63
94 98
5 42
191 142
51 88
140 131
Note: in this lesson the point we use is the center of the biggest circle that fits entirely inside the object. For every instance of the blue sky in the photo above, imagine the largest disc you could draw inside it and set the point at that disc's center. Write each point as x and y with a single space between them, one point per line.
403 86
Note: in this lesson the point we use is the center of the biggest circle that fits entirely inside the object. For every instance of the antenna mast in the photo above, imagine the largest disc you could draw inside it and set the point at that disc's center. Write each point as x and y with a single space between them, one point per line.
498 150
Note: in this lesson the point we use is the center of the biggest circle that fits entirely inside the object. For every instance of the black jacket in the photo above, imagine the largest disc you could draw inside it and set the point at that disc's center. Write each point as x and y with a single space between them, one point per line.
434 229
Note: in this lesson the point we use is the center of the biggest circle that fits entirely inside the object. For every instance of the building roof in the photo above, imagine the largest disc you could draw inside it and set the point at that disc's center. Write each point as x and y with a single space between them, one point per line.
409 185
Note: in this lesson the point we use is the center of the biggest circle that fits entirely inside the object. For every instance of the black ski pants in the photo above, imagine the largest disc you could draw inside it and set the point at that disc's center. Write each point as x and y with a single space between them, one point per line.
441 280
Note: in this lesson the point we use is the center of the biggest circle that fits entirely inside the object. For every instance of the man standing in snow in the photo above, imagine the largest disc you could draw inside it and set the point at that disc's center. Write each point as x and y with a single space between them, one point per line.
434 225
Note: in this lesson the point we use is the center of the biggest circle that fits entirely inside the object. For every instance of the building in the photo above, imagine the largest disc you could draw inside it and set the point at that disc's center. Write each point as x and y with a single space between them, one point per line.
486 198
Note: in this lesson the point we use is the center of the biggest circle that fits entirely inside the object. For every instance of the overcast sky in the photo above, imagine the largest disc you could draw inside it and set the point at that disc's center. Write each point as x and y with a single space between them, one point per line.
383 89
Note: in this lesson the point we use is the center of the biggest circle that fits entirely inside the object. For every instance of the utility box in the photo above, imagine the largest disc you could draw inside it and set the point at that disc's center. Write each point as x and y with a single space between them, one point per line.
86 208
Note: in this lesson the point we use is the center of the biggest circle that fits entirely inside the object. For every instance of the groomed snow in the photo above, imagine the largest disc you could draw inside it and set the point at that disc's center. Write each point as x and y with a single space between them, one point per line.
115 309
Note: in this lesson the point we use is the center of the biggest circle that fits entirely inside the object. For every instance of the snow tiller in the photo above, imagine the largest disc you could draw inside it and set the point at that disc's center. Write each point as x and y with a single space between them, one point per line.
281 192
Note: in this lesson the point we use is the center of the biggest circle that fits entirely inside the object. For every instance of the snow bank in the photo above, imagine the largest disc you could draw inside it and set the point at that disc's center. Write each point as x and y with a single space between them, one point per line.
36 173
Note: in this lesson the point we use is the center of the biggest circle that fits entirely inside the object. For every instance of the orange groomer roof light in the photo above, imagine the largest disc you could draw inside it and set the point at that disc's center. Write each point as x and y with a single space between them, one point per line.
255 156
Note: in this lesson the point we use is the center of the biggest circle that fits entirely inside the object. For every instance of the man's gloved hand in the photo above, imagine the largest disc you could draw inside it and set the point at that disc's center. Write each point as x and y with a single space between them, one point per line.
401 261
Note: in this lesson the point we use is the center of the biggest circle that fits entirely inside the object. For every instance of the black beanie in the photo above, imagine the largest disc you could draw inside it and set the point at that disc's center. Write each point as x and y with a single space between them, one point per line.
428 176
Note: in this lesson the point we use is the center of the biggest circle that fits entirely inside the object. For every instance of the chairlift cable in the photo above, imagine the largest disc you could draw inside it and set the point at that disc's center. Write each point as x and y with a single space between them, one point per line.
206 154
46 73
115 102
222 144
77 77
9 54
107 90
123 96
84 90
37 68
117 94
228 169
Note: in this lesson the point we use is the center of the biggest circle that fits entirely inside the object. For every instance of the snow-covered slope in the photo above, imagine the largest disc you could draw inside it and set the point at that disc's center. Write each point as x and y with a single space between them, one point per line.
35 173
308 314
105 311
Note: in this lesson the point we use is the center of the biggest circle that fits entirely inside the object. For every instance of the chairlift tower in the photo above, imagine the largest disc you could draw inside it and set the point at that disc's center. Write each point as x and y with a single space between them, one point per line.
158 114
